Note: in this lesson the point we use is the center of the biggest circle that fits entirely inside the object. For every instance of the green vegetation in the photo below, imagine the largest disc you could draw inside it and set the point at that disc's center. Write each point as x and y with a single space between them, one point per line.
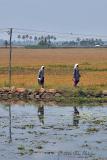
91 130
52 68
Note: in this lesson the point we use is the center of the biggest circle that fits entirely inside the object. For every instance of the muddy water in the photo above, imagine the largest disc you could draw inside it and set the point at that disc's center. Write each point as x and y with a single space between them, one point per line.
42 132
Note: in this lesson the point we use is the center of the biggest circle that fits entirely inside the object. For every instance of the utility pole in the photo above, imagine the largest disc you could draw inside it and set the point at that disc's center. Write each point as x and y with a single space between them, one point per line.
10 56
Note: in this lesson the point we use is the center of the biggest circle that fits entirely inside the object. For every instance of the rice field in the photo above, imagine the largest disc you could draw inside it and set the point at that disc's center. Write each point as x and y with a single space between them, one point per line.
58 67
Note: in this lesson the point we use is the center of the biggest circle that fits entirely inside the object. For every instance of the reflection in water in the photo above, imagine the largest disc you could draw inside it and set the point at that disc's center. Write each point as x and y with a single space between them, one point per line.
75 120
30 139
76 112
41 112
8 105
76 117
10 133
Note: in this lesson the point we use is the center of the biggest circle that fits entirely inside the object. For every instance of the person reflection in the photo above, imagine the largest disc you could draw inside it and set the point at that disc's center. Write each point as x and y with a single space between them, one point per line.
76 117
76 112
41 113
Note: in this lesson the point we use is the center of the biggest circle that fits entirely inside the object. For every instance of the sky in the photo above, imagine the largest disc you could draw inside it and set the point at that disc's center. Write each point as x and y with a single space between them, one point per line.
63 16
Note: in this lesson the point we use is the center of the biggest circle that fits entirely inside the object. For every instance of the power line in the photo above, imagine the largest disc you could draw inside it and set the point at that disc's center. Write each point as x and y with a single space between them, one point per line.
2 29
60 33
57 34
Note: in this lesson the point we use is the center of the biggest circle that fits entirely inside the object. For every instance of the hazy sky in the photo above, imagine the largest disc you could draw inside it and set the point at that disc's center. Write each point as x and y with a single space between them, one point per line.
76 16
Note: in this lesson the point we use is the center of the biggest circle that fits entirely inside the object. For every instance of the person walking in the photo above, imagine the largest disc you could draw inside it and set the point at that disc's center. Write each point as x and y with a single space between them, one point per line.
76 74
41 76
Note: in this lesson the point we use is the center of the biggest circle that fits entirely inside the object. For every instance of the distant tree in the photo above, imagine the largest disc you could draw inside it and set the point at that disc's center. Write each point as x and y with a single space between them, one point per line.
6 43
46 41
54 38
35 38
23 37
30 37
41 41
99 42
19 36
78 41
49 37
26 37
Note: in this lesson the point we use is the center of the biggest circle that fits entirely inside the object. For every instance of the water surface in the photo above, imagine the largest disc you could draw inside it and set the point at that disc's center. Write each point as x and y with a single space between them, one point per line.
40 131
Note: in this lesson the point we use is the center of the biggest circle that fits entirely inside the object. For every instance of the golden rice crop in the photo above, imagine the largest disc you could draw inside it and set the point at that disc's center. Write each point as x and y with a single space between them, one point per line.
93 66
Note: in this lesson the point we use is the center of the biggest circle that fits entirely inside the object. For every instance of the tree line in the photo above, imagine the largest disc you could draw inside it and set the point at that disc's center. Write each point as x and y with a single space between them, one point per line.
50 41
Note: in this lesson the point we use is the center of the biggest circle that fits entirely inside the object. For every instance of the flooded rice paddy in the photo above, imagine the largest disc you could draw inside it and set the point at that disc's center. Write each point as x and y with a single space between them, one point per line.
43 132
